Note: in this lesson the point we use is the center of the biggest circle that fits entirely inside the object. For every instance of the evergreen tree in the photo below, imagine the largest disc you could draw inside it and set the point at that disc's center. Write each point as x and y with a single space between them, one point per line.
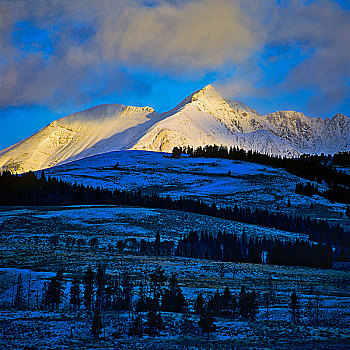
101 283
75 294
294 307
154 321
19 294
243 304
199 303
136 327
55 291
96 324
89 287
229 303
207 323
157 244
214 306
158 279
253 305
127 288
173 299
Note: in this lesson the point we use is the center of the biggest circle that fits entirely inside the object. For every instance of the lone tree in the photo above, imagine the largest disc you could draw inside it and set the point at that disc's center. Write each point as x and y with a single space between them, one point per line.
75 294
207 323
19 295
173 299
96 324
294 307
199 303
89 287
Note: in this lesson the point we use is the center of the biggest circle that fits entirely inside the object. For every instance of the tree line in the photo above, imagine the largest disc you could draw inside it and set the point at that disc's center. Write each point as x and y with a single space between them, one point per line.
27 189
342 158
145 301
317 168
229 247
336 193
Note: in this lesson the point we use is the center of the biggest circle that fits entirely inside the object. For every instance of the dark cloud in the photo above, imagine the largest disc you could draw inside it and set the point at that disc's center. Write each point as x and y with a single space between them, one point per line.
77 50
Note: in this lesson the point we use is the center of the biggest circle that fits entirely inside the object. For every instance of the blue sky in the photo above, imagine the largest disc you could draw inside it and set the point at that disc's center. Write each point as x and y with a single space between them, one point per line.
61 56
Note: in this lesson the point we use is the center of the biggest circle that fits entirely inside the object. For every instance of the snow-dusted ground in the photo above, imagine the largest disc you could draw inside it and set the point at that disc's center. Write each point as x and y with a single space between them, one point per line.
24 246
66 329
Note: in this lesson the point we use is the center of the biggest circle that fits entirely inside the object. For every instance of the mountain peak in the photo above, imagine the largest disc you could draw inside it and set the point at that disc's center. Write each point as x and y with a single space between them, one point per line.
339 116
208 92
202 118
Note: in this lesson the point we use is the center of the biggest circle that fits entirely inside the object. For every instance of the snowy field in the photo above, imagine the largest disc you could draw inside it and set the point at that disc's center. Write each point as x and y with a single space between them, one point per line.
68 329
26 252
33 245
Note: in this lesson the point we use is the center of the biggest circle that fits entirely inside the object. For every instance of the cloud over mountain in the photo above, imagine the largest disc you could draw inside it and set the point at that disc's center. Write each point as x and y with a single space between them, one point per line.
55 52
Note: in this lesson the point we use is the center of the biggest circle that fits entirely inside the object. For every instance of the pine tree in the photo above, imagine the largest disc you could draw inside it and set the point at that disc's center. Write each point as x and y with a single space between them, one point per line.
96 324
207 323
126 291
229 303
294 307
136 327
157 244
101 283
154 321
214 306
199 303
243 303
158 279
253 305
19 294
75 294
89 287
172 298
55 291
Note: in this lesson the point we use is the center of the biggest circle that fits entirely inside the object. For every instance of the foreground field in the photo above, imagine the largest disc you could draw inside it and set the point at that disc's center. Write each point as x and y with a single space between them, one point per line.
27 250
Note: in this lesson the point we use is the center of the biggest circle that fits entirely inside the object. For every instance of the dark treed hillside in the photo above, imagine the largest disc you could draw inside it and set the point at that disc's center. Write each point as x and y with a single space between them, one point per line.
28 190
228 247
311 167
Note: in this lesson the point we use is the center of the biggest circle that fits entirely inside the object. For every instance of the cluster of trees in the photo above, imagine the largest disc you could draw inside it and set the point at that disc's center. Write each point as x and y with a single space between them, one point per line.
308 189
229 247
146 300
28 190
98 291
312 167
335 193
155 247
228 305
71 243
342 158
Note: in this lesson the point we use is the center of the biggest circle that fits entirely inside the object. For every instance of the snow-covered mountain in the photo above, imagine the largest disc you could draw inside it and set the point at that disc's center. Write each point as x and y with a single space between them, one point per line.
202 118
